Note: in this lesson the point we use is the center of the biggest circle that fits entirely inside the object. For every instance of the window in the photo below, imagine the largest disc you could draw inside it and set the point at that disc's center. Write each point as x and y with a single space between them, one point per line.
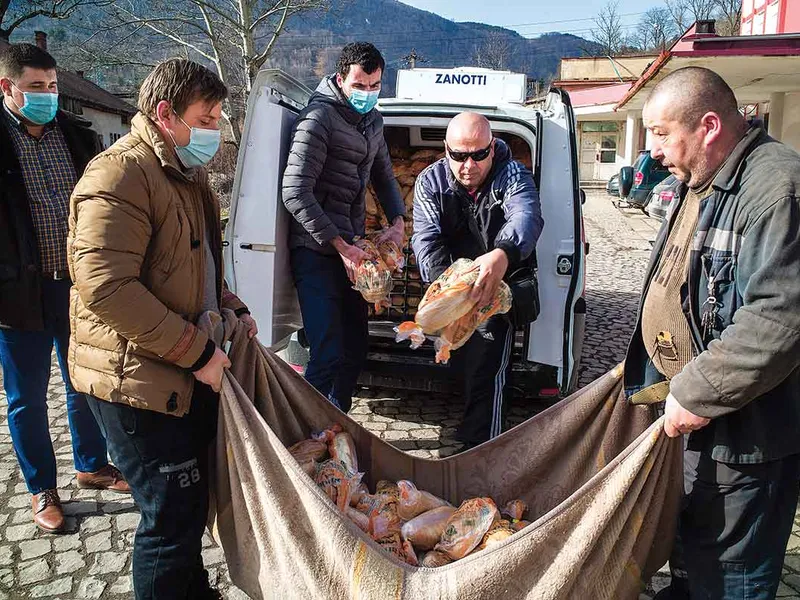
608 149
600 126
114 137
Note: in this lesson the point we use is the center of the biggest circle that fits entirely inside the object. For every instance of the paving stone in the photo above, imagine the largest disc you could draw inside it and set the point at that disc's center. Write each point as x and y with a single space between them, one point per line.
22 515
100 542
784 591
108 562
95 524
53 588
34 548
6 578
792 580
402 426
91 588
33 572
111 508
394 435
6 555
69 562
20 501
64 543
213 556
376 426
793 562
127 522
80 508
425 434
16 533
123 586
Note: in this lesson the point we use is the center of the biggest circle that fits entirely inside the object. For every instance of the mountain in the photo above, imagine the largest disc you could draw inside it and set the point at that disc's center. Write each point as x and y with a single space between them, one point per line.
309 47
311 43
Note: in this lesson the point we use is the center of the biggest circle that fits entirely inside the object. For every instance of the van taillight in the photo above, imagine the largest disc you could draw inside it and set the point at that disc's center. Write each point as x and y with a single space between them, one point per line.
667 196
638 178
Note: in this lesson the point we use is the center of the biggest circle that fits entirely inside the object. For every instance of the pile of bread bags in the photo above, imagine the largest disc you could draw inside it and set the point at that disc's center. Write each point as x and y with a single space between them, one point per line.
416 526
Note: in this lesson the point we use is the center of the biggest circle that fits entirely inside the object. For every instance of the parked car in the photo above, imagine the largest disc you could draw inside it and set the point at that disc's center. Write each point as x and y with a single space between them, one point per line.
612 187
662 197
636 183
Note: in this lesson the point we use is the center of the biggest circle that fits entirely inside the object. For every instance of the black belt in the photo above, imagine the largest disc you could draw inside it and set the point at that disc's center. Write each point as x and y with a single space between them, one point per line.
56 275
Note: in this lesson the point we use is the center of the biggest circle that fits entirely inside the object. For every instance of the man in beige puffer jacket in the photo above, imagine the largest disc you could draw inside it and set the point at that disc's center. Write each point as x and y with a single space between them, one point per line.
145 255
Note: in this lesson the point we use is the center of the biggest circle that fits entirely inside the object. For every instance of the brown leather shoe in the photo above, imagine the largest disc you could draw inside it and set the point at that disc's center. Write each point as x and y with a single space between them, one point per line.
107 478
47 513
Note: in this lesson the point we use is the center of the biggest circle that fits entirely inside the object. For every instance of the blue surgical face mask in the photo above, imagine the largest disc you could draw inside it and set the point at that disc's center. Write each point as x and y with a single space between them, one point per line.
363 101
203 145
38 107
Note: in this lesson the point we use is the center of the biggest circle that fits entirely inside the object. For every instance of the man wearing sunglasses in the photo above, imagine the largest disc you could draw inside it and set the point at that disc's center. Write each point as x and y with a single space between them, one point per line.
478 203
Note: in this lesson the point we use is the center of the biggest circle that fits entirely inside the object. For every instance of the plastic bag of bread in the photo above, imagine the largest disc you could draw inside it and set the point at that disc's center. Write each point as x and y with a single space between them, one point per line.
390 252
361 491
326 435
306 450
384 520
514 510
434 559
388 488
343 448
373 279
360 519
394 545
337 482
497 533
410 554
413 502
448 313
466 528
425 530
519 525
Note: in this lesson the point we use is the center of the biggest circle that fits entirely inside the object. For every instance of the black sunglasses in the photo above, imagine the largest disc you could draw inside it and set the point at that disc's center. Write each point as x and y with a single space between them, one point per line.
477 155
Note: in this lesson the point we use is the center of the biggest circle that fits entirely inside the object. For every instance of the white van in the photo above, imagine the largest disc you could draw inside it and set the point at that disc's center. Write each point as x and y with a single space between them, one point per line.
257 255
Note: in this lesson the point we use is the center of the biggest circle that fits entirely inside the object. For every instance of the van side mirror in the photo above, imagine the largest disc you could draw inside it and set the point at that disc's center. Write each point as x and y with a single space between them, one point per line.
625 181
583 196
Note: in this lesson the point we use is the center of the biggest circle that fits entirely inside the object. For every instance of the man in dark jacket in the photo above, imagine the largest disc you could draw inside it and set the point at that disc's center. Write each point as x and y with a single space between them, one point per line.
718 336
42 153
337 149
480 204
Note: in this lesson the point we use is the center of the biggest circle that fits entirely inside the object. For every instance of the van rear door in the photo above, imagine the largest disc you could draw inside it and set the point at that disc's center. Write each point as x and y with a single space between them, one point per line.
256 251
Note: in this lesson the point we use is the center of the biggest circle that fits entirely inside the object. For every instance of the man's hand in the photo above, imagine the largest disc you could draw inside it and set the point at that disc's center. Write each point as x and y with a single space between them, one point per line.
252 328
396 233
493 268
352 256
211 374
679 420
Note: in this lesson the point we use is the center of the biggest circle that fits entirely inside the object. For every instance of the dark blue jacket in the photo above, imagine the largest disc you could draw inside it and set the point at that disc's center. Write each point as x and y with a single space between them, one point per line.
506 210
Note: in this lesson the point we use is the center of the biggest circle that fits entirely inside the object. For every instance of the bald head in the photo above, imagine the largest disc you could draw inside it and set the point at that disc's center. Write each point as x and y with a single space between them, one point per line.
468 128
689 93
470 149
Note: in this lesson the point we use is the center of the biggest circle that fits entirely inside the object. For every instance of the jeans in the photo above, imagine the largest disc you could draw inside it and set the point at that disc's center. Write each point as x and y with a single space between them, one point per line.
734 525
165 460
25 357
484 366
335 324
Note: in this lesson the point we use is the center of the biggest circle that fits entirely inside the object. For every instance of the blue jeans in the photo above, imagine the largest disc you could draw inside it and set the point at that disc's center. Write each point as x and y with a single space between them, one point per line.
25 357
165 461
335 324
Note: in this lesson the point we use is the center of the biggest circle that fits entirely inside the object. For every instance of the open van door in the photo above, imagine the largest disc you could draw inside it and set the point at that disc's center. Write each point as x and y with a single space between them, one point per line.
256 252
556 337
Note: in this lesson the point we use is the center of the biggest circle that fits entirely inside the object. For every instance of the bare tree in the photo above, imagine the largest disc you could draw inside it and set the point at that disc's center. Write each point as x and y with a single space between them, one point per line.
608 31
14 14
686 12
656 29
493 52
729 16
236 36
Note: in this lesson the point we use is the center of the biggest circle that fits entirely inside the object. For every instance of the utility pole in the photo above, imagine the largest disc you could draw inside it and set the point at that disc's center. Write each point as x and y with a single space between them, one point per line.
410 60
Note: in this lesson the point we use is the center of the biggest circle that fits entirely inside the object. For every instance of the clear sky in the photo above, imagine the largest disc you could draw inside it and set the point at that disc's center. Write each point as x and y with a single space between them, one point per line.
534 17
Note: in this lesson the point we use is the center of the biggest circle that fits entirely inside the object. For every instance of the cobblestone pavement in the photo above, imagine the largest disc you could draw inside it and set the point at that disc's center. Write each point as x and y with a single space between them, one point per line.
92 560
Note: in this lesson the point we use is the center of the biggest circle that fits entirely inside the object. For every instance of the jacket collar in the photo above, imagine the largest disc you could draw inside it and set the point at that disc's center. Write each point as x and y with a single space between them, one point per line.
146 130
728 176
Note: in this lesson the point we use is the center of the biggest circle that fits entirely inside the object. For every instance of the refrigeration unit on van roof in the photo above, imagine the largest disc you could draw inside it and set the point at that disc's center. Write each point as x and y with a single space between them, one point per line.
466 86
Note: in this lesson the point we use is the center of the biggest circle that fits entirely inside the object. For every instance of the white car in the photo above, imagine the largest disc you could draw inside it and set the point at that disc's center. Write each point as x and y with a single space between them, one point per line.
257 256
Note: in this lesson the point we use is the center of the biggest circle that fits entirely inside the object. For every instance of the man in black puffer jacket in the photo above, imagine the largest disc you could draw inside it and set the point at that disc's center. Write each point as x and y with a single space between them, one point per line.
337 149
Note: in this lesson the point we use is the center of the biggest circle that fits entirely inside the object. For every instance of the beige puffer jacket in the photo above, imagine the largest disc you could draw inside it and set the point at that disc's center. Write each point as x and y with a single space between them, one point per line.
135 251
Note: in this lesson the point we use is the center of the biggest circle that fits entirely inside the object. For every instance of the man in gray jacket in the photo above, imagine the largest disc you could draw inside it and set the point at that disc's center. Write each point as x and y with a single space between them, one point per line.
718 336
337 149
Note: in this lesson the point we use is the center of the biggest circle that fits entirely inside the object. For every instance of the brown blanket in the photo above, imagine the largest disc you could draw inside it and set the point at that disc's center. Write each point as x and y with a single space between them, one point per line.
601 479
